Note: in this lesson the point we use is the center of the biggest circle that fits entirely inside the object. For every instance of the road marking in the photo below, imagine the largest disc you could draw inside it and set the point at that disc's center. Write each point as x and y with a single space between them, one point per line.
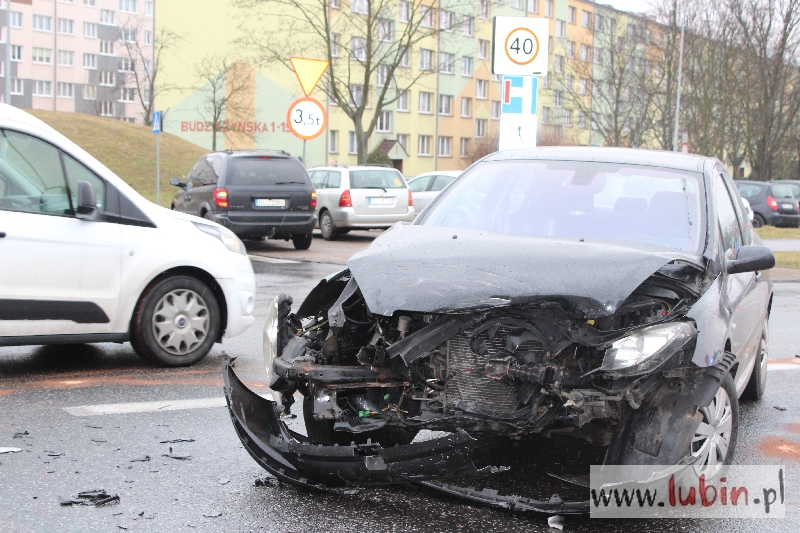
265 259
149 407
783 366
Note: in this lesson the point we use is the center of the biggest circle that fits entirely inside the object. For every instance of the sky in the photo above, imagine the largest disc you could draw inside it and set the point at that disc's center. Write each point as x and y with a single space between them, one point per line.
634 6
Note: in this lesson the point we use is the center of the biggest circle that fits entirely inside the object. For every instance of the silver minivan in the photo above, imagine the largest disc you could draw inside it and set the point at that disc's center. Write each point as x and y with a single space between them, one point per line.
360 197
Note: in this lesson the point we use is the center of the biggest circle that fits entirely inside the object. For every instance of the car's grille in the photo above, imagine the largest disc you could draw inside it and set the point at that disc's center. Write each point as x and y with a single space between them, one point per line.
471 387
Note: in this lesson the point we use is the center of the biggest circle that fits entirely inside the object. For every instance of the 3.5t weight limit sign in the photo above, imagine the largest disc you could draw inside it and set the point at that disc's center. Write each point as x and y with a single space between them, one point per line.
520 46
306 118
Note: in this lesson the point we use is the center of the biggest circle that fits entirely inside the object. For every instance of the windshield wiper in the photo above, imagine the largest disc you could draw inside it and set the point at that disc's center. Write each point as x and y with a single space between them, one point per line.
382 188
288 182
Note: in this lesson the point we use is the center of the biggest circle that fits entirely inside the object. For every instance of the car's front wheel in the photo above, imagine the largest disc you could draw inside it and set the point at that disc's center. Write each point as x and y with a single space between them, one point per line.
175 322
327 227
302 242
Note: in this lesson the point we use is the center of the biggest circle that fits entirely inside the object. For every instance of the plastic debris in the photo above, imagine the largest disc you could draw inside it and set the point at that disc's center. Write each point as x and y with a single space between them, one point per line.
21 434
10 450
176 456
266 482
779 408
556 522
175 441
224 481
97 498
216 514
141 459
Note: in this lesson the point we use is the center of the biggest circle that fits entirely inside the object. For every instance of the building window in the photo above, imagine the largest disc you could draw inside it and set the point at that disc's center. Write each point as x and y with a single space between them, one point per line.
42 23
360 6
443 146
90 30
148 38
569 81
446 62
106 48
66 90
105 78
352 143
572 15
483 49
128 94
516 4
545 115
356 94
581 119
127 6
427 17
425 59
42 88
66 26
405 59
404 11
549 8
599 23
464 149
467 25
2 68
568 118
466 107
481 127
89 92
381 75
16 52
424 145
586 19
148 9
425 101
90 3
481 89
17 88
358 49
126 64
558 98
583 86
41 55
597 56
402 101
106 109
483 9
384 123
445 104
585 52
66 58
333 142
402 140
446 19
561 28
533 6
466 67
335 44
385 30
16 19
495 109
129 35
558 64
107 17
571 49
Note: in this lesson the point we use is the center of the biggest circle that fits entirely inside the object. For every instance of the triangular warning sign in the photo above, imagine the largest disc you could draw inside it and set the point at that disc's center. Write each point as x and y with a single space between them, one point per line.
308 71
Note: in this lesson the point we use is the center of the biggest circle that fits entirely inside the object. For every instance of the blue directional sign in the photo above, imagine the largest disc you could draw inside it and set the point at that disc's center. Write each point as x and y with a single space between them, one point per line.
517 98
518 125
158 117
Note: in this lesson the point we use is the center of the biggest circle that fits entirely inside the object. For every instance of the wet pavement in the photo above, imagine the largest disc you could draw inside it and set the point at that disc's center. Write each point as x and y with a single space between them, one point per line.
97 417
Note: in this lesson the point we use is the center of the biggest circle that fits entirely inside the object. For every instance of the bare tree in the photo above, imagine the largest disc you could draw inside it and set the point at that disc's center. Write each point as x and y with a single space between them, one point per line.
223 83
366 45
480 148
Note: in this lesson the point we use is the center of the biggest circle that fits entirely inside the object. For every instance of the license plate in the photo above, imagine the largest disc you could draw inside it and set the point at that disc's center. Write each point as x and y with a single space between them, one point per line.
270 202
787 206
380 201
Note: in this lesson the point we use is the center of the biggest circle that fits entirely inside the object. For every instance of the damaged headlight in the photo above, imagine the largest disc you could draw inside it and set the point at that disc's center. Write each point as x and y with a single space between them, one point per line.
646 349
271 339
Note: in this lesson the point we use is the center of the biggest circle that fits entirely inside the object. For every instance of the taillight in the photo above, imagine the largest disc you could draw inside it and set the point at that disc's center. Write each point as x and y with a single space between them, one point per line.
772 203
410 199
345 200
313 198
221 197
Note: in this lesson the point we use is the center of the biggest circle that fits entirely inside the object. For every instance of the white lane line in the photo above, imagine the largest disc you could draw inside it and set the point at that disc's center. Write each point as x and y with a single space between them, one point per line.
149 407
783 366
264 259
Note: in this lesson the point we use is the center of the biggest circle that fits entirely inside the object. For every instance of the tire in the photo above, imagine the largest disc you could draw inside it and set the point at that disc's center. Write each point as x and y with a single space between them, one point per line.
326 226
302 242
179 343
681 430
321 432
758 378
758 221
207 216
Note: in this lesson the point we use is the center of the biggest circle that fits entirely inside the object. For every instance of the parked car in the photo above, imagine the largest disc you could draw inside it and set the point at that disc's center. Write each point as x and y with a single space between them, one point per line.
426 187
86 259
360 197
772 202
617 296
255 194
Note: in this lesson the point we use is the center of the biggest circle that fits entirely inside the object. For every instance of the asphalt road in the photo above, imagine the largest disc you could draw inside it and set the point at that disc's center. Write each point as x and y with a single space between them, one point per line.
68 450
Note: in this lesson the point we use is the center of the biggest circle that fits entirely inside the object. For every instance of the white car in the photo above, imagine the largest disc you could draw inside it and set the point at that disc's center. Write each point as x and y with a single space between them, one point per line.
84 258
426 187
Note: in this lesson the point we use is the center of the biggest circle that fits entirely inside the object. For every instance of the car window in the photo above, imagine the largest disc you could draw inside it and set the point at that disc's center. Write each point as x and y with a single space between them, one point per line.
318 178
749 190
265 170
32 175
334 180
208 174
77 172
441 182
420 184
795 189
191 177
376 179
726 215
781 190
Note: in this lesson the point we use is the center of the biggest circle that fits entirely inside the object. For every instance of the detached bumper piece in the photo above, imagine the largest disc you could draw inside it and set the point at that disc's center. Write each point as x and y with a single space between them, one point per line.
513 503
290 457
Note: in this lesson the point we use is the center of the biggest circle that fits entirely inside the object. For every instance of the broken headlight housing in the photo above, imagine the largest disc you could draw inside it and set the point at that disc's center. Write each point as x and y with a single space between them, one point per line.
271 339
646 349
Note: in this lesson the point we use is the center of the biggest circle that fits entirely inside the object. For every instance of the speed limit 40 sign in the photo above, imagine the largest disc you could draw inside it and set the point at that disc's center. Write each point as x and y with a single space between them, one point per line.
519 46
306 118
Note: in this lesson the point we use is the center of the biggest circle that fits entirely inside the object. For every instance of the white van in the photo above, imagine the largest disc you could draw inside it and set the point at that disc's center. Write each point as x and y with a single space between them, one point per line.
84 258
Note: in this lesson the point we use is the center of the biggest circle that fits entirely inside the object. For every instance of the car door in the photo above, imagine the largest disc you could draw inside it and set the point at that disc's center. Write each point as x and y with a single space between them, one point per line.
58 274
419 188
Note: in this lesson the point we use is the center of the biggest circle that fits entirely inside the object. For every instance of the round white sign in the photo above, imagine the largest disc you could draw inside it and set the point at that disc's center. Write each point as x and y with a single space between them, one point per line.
522 46
306 118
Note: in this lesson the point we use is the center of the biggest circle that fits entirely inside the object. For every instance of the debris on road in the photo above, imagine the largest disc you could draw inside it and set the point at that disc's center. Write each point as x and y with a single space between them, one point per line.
779 408
21 434
141 459
556 522
266 482
213 515
54 454
97 498
224 481
176 441
10 450
175 456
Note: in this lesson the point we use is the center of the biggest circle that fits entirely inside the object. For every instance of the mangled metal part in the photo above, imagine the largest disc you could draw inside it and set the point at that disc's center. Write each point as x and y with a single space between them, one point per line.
423 341
290 457
513 503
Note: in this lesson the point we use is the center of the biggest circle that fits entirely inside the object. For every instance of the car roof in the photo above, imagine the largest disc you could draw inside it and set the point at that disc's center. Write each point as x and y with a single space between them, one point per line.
453 173
634 156
278 154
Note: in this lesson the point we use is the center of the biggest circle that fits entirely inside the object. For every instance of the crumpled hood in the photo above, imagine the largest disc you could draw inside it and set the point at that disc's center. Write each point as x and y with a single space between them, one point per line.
434 269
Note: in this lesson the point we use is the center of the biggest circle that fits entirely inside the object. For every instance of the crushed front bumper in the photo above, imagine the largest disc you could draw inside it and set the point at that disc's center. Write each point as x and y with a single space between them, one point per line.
290 457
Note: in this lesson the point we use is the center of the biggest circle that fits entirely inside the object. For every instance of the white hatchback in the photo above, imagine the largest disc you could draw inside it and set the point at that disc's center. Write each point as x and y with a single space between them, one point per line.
84 258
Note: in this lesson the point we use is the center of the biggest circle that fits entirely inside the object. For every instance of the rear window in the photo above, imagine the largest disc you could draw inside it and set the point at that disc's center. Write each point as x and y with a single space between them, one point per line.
782 190
264 171
748 190
376 179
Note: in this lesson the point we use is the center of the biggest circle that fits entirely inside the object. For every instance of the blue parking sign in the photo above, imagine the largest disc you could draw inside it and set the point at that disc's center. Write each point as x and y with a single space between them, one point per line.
157 118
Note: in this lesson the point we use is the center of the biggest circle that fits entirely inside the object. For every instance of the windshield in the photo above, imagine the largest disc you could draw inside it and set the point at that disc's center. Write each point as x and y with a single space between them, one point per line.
264 170
583 200
376 179
782 190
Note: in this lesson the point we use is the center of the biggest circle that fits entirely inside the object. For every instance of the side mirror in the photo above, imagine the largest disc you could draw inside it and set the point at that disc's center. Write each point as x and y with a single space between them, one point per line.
87 203
176 182
749 259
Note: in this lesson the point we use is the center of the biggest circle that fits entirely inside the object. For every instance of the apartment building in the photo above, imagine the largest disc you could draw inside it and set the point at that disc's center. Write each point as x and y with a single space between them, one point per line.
85 56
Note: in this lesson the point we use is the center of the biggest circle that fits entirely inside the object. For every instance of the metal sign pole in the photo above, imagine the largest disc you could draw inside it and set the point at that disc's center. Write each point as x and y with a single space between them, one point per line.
7 73
158 169
304 154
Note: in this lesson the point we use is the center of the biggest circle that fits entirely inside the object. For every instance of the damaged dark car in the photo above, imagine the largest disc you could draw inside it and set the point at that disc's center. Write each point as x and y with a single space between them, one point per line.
616 296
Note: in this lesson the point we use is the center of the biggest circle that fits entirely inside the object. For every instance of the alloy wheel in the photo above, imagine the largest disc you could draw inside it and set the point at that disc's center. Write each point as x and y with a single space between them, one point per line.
180 321
712 438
